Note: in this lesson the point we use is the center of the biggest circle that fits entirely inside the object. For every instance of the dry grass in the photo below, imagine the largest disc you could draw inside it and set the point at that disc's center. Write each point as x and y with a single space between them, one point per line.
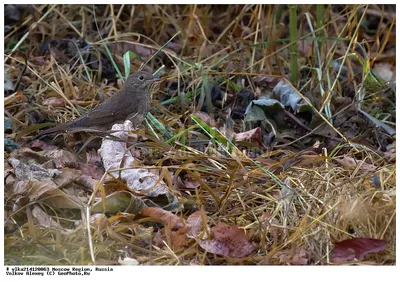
287 198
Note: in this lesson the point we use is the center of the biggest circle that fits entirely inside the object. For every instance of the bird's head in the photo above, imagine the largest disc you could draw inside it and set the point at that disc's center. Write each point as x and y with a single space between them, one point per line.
142 80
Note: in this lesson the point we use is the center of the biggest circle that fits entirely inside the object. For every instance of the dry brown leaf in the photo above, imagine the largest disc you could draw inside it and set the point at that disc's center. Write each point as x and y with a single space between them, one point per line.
175 239
16 97
205 117
167 218
185 182
195 224
228 241
42 145
294 256
351 163
356 248
254 135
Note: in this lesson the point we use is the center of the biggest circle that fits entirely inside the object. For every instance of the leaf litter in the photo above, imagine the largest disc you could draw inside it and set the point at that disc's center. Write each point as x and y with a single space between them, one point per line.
226 171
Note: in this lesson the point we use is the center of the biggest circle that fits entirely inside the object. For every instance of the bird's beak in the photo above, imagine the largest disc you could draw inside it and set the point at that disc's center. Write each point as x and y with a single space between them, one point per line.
156 79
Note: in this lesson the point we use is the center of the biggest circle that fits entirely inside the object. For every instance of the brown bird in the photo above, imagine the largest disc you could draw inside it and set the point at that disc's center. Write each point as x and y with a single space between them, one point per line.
131 102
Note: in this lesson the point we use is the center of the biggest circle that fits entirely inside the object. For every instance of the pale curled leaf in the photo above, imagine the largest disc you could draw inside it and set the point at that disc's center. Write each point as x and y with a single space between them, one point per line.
43 218
128 261
290 98
115 155
47 221
385 71
29 170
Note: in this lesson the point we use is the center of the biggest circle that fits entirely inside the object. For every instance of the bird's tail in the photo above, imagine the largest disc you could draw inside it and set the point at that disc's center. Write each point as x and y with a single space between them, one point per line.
61 127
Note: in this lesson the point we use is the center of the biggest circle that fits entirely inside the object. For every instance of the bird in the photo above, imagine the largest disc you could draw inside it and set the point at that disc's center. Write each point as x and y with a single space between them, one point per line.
132 103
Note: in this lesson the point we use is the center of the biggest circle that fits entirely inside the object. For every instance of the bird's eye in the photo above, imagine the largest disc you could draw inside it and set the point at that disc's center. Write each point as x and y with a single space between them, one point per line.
141 77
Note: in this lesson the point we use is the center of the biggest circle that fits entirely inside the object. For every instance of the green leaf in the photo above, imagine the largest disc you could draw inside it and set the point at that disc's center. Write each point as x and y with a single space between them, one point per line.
112 60
159 126
234 86
127 61
172 100
214 134
255 113
120 201
181 133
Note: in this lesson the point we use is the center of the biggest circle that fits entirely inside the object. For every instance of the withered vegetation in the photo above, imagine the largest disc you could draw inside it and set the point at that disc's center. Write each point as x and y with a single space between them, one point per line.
273 132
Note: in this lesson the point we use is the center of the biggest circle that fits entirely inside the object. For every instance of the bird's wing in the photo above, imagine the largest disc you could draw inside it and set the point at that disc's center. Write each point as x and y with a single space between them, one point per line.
100 116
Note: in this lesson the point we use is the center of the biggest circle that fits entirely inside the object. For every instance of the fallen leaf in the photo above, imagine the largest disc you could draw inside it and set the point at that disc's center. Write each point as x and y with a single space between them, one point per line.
95 219
195 224
128 261
166 217
379 123
356 248
229 241
185 182
224 240
289 97
385 71
206 118
42 145
16 97
300 258
38 188
60 158
55 102
174 47
60 200
120 201
351 163
294 256
43 218
176 239
253 135
8 83
115 155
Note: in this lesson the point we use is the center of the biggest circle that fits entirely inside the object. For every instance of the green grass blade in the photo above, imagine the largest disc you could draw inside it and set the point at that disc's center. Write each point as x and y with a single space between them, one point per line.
160 127
127 62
